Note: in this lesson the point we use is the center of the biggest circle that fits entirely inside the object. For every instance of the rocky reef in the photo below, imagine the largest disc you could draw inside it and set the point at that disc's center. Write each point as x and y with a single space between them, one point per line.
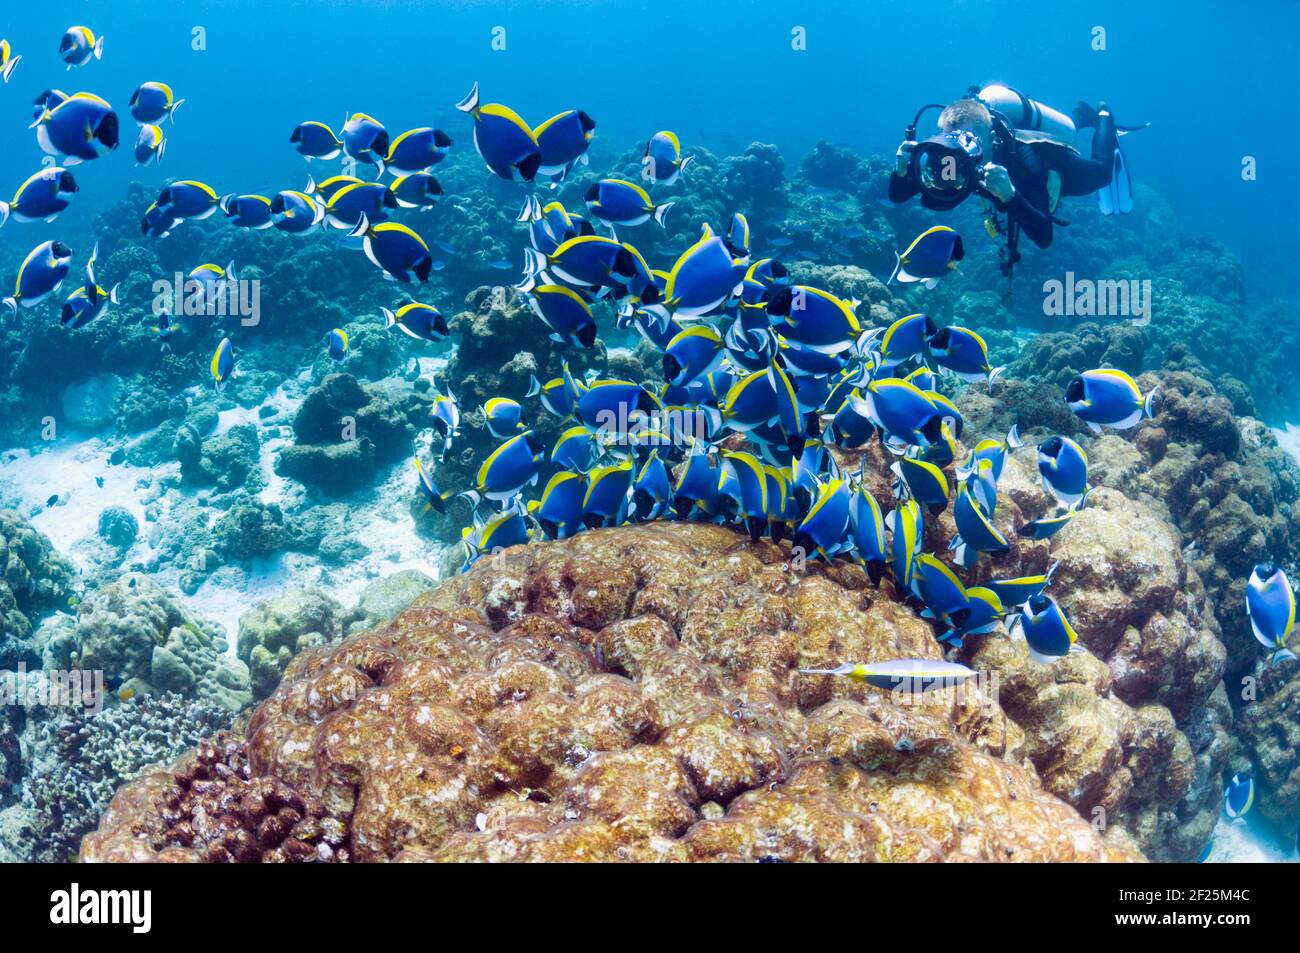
629 694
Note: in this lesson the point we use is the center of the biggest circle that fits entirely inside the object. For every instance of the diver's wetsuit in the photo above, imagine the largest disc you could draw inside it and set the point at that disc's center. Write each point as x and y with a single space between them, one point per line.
1028 164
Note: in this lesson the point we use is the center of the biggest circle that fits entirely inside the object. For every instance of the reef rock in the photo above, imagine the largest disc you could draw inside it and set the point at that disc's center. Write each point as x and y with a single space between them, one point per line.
92 403
135 631
628 694
273 632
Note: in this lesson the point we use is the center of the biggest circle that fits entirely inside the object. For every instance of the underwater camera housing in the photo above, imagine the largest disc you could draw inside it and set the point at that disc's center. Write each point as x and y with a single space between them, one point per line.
946 166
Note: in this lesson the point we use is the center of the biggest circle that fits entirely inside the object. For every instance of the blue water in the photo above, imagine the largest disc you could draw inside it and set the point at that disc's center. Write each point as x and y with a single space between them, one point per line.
1214 80
1211 77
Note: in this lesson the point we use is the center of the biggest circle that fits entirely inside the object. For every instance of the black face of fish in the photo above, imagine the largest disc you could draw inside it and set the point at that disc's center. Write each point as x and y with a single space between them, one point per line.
296 135
586 121
534 442
441 139
528 168
60 250
65 44
672 367
67 183
779 270
1265 570
380 144
277 205
1038 603
1051 446
592 193
108 131
440 324
939 340
1074 392
646 402
164 197
779 300
933 429
958 251
389 200
652 295
587 335
423 267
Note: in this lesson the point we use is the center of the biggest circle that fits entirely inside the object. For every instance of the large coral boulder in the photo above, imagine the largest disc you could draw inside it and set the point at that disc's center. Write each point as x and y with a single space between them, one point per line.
628 694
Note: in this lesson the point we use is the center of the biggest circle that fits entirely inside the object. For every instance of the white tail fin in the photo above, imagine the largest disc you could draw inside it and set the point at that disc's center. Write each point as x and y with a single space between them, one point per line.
686 161
661 213
534 386
534 262
112 294
994 374
389 318
99 48
10 67
1013 437
1149 405
363 226
171 113
4 212
470 102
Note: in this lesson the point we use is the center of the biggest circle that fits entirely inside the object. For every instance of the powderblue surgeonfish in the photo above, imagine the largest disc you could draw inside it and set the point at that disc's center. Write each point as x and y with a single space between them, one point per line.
994 451
152 102
40 274
563 140
620 202
943 594
421 321
651 489
964 353
703 277
565 312
8 60
296 212
692 353
932 254
663 160
985 614
346 206
502 416
417 190
823 531
575 449
1047 631
78 129
365 139
1270 604
1048 526
902 411
1239 796
247 211
1063 467
188 199
608 489
499 531
867 526
1107 397
510 467
906 338
394 248
80 45
434 499
908 676
814 319
336 344
503 140
559 510
222 364
315 140
745 484
42 197
89 301
417 150
923 482
149 145
975 530
446 419
905 538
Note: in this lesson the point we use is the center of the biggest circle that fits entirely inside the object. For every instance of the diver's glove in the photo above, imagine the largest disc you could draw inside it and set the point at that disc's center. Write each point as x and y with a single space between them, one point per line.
903 157
997 182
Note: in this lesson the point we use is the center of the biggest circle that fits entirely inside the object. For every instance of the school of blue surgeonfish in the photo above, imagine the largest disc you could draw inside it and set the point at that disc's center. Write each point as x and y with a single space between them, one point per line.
765 380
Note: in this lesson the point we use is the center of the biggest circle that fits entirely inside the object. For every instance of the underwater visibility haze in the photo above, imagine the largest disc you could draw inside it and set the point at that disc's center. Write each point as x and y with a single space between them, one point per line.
635 432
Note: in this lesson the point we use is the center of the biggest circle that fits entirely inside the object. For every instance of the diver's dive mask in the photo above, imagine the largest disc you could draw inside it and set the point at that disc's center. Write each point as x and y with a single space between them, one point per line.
947 166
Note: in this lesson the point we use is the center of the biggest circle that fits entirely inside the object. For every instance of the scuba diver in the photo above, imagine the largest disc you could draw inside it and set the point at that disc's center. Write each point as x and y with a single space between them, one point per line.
1018 155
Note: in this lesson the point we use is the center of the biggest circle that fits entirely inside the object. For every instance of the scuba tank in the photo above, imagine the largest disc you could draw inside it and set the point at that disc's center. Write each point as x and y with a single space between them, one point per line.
1027 115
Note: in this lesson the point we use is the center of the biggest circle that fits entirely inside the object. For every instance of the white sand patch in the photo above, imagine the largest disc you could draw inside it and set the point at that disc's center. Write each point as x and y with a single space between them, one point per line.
1288 438
1249 841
